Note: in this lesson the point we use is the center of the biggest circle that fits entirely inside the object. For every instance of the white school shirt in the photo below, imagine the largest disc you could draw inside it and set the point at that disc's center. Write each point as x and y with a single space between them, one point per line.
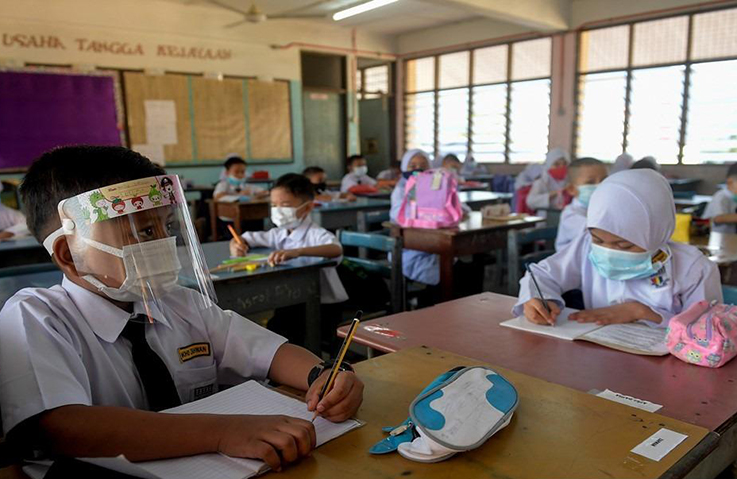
687 277
13 221
721 204
62 346
572 223
307 234
351 179
539 196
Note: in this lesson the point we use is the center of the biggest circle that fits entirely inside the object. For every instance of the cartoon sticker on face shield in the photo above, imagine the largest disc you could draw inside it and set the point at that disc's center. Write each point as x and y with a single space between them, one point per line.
118 205
137 203
155 196
167 187
99 206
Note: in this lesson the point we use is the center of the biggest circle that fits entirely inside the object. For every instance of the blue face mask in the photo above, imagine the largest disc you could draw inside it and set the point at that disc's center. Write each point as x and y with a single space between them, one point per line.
622 265
584 193
236 181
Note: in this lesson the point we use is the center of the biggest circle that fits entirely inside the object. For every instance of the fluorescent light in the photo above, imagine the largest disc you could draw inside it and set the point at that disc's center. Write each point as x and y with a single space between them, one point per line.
358 9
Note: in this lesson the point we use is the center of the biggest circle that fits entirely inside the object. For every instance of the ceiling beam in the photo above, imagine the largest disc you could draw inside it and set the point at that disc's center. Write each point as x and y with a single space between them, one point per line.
544 15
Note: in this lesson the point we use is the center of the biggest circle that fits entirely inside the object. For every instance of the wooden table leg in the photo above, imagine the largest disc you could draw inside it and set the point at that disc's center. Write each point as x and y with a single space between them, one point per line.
214 220
238 220
446 276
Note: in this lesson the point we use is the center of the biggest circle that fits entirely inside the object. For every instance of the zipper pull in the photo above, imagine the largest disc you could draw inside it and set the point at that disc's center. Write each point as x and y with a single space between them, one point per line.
401 429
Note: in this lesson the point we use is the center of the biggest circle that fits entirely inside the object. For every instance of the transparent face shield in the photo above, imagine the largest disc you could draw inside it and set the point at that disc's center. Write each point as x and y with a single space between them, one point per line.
135 241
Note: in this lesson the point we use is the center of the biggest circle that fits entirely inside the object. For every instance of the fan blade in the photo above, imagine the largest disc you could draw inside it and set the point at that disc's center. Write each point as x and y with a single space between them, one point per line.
295 16
235 24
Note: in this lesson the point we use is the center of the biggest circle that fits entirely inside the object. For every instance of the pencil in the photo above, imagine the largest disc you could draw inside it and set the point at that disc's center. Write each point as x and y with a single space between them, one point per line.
236 236
341 354
537 287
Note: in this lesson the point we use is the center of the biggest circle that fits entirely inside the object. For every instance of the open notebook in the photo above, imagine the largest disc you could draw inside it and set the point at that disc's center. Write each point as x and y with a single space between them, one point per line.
247 398
632 338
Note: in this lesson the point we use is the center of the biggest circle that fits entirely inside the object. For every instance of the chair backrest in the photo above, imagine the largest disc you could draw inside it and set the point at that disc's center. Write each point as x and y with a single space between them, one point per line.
542 242
27 269
730 294
386 244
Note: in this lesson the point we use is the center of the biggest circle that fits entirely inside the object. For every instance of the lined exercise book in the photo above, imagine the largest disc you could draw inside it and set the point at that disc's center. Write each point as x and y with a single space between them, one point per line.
632 338
247 398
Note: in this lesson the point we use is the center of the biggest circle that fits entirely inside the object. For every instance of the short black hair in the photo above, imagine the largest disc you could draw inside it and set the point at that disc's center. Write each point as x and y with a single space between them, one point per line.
647 163
296 184
451 157
579 163
232 161
67 171
732 171
312 170
353 158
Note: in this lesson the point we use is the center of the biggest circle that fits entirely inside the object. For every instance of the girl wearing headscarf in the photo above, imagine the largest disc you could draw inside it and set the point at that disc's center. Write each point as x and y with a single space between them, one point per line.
547 191
416 265
625 265
534 171
622 163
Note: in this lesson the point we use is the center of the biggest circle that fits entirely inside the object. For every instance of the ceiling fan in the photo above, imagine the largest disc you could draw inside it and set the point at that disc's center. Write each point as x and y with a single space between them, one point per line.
255 15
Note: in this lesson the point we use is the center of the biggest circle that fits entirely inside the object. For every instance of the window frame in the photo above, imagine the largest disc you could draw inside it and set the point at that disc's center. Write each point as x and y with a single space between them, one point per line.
508 82
687 64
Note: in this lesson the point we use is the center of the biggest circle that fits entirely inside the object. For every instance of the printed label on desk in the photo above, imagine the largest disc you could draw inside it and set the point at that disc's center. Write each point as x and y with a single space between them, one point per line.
629 401
657 446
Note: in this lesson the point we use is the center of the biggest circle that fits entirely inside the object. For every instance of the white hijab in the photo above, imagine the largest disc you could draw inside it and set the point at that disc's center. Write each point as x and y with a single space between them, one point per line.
636 205
554 155
398 192
623 162
535 170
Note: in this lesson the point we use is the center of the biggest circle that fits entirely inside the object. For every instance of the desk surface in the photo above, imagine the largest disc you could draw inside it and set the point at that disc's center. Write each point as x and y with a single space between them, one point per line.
470 326
28 242
721 248
474 196
475 222
556 432
693 201
360 204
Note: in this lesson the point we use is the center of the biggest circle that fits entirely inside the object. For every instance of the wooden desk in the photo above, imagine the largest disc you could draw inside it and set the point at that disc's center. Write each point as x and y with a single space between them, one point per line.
556 432
693 201
684 184
334 216
470 326
478 199
22 251
473 236
239 211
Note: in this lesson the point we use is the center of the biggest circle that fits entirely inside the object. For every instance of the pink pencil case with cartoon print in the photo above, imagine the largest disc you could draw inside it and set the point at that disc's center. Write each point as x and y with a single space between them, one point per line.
705 334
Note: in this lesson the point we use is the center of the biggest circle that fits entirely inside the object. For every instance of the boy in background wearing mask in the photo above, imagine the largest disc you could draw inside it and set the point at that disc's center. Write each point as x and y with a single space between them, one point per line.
722 209
235 182
453 165
357 174
318 178
627 267
584 175
133 329
295 235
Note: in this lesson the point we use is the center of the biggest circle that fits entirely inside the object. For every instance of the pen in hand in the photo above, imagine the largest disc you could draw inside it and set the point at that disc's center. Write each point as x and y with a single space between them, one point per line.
540 294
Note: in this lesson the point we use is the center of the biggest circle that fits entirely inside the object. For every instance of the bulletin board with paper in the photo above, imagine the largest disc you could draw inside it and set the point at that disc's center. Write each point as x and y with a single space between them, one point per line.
189 120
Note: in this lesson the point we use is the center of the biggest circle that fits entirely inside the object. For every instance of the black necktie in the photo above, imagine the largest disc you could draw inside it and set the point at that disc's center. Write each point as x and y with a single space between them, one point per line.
156 379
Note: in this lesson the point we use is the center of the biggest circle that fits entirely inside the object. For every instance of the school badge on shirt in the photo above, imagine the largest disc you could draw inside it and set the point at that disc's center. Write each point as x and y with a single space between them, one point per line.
193 351
659 280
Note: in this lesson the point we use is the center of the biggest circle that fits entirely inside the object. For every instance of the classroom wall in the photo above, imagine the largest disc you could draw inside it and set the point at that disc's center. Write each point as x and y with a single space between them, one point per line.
165 34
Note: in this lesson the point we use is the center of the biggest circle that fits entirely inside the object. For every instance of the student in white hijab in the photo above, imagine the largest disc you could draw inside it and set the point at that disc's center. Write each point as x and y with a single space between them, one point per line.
622 163
416 265
535 170
547 191
625 265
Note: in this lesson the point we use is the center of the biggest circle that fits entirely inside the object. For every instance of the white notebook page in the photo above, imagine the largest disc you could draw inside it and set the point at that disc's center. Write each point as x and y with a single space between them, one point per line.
563 329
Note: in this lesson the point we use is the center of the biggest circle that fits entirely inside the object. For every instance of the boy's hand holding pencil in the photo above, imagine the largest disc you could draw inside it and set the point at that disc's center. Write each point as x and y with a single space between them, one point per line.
238 246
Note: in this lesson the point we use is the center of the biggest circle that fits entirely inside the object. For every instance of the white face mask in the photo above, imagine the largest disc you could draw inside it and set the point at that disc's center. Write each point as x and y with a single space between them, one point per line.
286 216
360 170
153 266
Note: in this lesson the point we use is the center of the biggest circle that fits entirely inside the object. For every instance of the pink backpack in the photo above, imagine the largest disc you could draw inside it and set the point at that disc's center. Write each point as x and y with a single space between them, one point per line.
705 334
430 201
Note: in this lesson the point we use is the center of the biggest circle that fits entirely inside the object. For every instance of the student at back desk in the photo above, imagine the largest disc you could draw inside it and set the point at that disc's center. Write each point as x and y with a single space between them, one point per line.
722 209
626 266
84 365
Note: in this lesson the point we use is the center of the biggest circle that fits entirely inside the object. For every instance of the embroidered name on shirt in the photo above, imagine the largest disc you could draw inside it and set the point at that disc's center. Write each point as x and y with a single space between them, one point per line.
193 351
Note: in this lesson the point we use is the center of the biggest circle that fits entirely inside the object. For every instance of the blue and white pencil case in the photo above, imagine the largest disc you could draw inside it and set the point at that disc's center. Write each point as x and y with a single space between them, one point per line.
457 412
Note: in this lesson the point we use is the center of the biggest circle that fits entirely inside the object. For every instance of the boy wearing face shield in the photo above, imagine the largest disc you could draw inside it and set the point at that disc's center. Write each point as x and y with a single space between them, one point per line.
297 235
584 175
133 327
626 266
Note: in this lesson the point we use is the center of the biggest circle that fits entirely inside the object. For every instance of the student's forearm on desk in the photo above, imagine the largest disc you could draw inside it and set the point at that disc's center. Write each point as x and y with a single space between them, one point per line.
291 366
323 251
97 431
729 218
